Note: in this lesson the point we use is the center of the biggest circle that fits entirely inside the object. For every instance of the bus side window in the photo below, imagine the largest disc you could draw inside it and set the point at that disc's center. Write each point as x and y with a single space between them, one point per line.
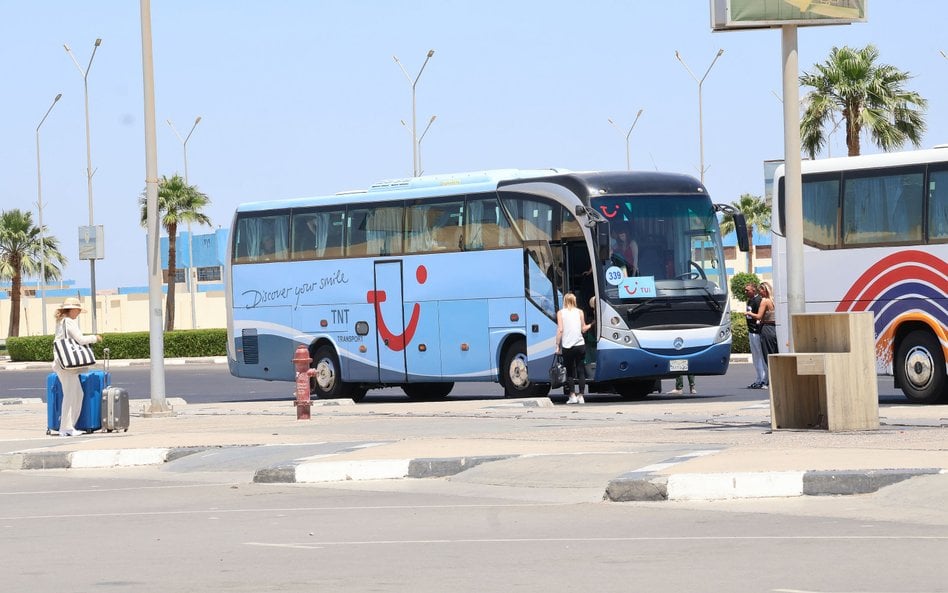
356 234
317 235
485 226
938 206
445 222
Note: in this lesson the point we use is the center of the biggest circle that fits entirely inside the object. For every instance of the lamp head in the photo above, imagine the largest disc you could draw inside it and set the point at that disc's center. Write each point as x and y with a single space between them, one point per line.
430 52
98 42
720 51
66 47
198 120
58 97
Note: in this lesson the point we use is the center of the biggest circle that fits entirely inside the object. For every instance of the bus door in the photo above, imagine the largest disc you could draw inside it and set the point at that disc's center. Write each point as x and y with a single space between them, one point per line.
542 278
390 321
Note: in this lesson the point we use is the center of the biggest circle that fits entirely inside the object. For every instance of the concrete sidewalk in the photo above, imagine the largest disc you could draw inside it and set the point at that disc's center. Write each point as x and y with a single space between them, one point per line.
654 450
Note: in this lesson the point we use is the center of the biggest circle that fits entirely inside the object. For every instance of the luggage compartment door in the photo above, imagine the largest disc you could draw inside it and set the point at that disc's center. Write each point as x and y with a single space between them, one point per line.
389 321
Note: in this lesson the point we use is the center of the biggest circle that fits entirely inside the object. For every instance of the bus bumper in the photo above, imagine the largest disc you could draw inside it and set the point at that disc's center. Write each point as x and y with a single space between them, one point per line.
636 363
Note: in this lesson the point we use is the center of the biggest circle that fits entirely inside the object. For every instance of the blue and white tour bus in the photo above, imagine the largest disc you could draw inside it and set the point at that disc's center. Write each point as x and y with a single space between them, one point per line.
424 282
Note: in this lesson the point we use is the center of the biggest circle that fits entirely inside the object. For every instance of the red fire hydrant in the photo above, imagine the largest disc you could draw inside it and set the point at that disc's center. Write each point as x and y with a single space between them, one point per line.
302 360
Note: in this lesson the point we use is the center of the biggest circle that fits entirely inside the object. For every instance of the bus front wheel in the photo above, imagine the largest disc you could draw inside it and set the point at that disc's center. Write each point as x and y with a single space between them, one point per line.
327 382
920 368
514 376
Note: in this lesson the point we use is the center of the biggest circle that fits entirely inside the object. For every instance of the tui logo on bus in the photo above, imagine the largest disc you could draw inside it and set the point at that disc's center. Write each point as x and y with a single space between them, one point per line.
397 342
605 211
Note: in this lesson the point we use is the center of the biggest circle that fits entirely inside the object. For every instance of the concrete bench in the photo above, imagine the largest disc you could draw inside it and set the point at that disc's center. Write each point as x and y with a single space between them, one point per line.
830 382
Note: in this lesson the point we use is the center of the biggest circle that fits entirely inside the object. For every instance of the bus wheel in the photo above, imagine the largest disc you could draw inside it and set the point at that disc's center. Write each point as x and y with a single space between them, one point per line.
920 368
327 383
635 390
427 391
514 375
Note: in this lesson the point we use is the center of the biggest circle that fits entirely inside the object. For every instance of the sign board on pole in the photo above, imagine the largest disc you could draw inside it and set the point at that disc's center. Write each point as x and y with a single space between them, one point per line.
760 14
91 242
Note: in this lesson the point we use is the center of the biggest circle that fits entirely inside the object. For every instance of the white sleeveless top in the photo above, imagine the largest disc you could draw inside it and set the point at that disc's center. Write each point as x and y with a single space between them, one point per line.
572 328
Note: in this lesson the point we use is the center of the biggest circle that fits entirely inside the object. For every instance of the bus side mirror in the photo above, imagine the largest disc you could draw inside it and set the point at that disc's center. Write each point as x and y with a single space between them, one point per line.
603 245
740 228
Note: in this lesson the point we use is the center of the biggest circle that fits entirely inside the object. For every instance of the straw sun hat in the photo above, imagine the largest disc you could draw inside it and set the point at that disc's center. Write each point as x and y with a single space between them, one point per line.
71 303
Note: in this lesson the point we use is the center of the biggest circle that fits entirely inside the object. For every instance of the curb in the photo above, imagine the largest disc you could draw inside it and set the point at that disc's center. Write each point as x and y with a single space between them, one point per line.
653 487
102 458
378 469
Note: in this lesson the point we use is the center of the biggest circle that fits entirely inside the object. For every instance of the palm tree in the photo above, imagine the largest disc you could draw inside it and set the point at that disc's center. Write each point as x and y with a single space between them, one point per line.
757 214
868 95
21 253
178 203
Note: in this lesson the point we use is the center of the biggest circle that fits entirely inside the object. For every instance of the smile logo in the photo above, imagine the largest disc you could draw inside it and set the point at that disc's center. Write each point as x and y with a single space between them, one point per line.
397 342
605 211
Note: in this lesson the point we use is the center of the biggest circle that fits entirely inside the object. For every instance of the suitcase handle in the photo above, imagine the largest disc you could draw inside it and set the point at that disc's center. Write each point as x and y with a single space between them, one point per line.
108 358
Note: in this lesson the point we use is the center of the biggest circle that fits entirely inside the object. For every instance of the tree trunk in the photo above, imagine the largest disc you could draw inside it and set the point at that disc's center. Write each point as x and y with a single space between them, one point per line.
172 276
852 132
15 290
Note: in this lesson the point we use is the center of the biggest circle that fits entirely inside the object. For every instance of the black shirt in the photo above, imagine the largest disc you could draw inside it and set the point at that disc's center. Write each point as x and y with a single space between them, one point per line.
753 305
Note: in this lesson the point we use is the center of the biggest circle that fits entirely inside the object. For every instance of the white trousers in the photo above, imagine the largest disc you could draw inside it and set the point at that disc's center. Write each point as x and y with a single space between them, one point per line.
72 398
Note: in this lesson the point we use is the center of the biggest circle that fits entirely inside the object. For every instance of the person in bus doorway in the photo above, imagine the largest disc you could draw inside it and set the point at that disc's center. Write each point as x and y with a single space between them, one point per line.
67 326
570 326
753 336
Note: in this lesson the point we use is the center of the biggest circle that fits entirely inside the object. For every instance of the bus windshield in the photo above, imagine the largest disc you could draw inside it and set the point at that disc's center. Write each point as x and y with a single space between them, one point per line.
662 246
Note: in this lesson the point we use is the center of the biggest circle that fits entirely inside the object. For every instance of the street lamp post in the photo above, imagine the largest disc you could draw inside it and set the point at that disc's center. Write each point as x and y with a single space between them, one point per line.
700 118
191 269
39 207
89 172
628 162
422 137
414 128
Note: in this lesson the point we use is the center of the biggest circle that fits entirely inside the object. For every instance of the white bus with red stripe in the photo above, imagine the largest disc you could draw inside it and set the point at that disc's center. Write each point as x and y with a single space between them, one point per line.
875 236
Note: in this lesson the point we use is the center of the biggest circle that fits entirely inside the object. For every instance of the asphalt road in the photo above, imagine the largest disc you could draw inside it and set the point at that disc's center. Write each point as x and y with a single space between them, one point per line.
148 530
205 383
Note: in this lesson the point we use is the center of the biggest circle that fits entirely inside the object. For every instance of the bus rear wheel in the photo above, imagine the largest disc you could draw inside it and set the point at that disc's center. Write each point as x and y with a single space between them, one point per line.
327 382
920 368
514 375
427 391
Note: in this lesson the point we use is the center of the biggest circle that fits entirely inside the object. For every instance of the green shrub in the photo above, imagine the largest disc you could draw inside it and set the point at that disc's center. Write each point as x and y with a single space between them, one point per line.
739 281
178 344
740 343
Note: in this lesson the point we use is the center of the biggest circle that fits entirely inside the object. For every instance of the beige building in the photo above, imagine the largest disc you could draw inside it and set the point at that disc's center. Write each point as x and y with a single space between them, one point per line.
118 313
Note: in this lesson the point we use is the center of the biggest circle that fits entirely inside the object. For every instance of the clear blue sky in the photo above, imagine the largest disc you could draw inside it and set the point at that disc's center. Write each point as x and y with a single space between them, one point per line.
302 97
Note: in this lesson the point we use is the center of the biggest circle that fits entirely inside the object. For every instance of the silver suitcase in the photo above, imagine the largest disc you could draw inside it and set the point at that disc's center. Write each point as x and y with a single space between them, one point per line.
114 405
114 409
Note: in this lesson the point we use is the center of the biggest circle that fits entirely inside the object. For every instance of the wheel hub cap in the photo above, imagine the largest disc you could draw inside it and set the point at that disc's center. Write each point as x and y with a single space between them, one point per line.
919 367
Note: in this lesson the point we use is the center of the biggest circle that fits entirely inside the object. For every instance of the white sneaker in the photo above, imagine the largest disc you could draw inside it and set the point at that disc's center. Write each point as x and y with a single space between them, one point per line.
694 391
675 391
573 400
580 399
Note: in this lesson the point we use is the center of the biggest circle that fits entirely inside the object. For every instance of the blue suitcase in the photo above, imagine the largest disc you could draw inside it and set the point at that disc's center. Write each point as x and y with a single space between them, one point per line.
90 417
